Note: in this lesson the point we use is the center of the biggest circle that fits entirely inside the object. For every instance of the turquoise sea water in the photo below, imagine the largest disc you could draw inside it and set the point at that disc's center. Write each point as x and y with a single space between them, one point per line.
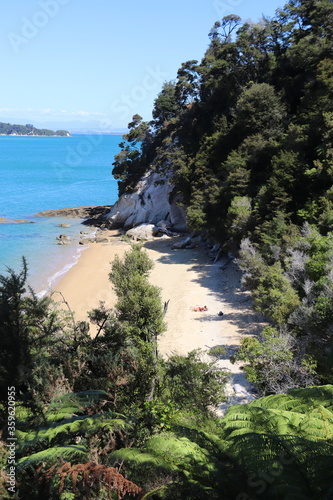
44 173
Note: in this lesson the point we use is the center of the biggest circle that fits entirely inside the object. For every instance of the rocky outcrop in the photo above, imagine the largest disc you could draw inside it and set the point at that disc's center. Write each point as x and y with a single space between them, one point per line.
4 220
153 200
94 216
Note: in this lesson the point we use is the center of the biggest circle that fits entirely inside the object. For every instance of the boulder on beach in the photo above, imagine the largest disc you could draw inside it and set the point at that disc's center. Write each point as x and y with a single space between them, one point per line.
187 243
101 239
143 232
86 241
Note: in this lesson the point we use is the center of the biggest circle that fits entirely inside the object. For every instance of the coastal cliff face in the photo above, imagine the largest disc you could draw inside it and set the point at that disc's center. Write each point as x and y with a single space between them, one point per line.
153 200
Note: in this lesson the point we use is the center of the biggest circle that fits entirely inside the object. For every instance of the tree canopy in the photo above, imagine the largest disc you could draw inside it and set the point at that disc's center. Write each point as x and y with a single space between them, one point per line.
247 135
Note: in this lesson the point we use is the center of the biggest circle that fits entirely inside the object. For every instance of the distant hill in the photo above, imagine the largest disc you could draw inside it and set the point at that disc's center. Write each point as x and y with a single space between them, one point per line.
30 130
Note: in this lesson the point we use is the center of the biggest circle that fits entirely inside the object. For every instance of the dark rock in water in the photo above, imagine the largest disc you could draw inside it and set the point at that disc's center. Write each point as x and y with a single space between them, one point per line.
63 225
63 239
23 221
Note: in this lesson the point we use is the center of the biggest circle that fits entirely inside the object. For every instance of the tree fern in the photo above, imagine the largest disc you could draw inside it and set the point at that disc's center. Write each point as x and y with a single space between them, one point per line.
245 419
188 468
179 450
285 467
283 444
67 428
298 400
318 425
74 403
297 413
139 459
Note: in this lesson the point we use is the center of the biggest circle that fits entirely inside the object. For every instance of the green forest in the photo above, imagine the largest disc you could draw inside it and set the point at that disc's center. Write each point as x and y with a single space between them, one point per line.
247 134
28 129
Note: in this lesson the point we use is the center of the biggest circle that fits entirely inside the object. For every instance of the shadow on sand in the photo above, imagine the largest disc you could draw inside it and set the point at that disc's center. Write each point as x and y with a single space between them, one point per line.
221 280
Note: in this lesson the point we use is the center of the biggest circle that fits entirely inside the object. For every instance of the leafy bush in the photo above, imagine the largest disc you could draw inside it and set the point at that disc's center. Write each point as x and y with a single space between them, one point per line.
273 363
193 383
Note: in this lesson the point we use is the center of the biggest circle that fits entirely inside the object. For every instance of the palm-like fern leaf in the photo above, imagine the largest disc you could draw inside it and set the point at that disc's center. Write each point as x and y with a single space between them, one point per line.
298 400
70 404
52 455
134 458
66 429
318 425
285 414
242 419
284 466
184 462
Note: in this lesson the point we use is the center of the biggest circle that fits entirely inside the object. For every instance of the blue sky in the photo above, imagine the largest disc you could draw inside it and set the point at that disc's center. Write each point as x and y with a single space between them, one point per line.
83 62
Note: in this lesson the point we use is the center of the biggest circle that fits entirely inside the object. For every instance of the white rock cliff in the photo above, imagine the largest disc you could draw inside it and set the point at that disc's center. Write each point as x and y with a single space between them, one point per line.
152 201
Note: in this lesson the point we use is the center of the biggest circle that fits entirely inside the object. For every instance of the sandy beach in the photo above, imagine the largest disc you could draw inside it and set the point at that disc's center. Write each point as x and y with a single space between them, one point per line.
187 279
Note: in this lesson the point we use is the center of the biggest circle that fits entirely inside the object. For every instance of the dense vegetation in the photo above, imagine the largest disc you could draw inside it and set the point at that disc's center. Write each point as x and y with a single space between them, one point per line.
105 417
247 135
78 398
8 129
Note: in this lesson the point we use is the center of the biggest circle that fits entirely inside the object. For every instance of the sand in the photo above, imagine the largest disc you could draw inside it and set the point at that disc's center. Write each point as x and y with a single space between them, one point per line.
187 279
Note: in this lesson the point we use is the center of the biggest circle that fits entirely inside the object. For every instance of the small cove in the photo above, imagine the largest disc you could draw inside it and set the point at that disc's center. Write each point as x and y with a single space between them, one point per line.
45 173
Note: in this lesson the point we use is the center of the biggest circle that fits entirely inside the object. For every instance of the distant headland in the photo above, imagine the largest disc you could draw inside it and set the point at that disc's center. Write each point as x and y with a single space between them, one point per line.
30 130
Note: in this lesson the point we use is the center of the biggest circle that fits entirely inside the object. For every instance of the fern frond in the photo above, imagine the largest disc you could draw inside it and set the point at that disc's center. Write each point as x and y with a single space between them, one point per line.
288 461
52 455
134 458
298 400
173 457
73 426
285 414
70 404
176 449
242 419
317 425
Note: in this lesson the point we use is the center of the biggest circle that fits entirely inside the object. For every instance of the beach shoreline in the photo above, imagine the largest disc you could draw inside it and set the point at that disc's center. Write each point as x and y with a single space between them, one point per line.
189 279
58 258
86 284
87 220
